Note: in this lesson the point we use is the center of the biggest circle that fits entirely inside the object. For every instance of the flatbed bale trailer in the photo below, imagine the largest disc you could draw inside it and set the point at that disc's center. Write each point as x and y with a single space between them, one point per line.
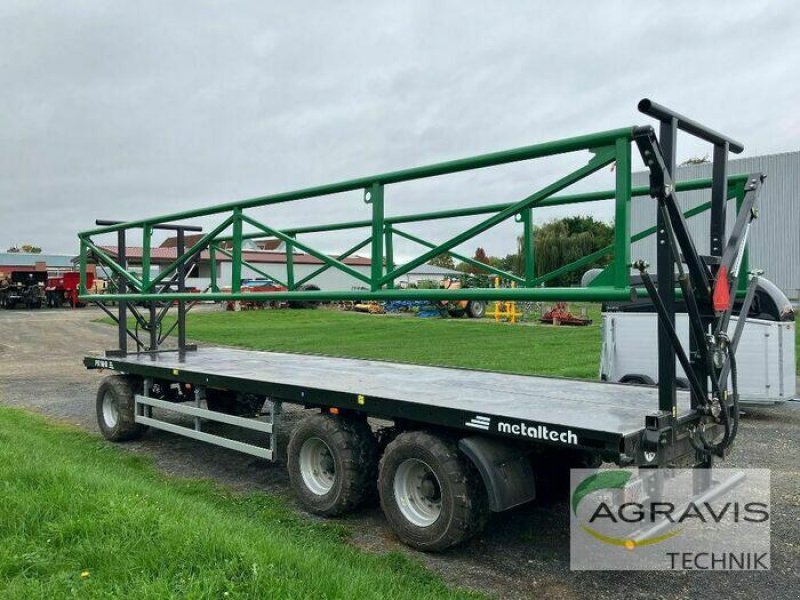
458 442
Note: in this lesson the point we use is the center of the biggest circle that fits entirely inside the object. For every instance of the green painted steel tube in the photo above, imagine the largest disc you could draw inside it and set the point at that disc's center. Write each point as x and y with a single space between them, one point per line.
212 265
147 237
198 247
236 259
744 267
511 294
375 195
83 259
601 158
309 250
528 247
111 264
342 256
290 284
681 186
590 258
388 245
461 257
622 215
577 264
583 142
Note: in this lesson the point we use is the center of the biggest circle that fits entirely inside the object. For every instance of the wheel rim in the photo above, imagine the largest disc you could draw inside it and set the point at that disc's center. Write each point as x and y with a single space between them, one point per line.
418 492
317 466
110 410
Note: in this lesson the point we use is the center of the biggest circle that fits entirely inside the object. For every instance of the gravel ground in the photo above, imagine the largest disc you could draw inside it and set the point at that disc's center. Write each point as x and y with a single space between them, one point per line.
524 553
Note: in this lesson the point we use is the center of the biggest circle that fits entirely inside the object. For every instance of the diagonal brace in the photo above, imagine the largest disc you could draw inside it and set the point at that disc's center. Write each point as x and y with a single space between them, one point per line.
308 249
603 156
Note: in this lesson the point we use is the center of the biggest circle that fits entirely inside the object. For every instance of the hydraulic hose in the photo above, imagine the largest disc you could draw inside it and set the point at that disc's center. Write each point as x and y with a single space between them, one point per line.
730 422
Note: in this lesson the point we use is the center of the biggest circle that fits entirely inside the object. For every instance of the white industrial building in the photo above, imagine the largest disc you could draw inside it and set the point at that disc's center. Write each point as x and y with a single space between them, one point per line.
774 241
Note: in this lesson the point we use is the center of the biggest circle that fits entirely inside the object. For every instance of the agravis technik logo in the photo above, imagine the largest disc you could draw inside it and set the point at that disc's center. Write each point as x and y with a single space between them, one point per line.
670 519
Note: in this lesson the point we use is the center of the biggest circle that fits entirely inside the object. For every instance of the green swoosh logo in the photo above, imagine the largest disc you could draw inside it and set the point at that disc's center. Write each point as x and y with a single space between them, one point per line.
599 481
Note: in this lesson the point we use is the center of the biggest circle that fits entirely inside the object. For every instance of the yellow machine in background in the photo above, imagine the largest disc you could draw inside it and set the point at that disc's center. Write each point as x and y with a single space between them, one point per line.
505 310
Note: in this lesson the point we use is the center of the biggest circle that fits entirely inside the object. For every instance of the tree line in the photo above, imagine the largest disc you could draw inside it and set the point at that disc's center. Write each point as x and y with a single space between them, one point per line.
556 243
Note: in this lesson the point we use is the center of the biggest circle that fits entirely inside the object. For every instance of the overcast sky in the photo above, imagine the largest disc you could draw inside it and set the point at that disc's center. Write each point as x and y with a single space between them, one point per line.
126 110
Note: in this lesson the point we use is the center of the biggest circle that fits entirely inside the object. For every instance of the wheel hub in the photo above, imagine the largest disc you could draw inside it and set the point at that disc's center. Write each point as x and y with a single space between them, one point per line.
317 466
418 492
110 410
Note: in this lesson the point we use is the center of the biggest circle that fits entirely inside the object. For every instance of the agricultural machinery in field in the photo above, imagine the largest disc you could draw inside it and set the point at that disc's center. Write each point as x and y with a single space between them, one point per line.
63 289
23 289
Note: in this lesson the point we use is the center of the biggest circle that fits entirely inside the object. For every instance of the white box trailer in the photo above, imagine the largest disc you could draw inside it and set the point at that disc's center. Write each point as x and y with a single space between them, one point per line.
765 356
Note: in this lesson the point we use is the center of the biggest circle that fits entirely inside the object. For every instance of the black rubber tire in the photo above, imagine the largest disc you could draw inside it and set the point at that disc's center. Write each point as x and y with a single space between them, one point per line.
465 505
122 389
456 313
309 287
476 309
637 379
354 450
230 403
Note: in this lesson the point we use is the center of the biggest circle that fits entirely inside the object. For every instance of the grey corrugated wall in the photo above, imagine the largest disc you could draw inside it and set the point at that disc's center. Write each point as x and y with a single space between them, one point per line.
775 235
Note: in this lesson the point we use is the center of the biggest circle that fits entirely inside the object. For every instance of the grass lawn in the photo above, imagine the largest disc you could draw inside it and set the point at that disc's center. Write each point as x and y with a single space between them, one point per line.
531 349
82 518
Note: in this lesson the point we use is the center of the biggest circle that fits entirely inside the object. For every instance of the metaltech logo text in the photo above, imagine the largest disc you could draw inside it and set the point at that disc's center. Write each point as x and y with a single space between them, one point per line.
539 432
535 432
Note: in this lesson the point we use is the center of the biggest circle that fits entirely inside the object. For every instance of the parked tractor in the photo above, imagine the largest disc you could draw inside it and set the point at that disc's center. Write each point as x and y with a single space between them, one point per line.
474 309
24 289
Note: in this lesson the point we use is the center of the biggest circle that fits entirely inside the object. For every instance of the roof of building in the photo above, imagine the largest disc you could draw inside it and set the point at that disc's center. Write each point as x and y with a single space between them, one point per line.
24 259
191 239
162 254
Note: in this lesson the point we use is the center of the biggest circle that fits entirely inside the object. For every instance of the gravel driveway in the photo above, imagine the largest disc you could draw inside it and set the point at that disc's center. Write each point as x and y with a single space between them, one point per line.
524 553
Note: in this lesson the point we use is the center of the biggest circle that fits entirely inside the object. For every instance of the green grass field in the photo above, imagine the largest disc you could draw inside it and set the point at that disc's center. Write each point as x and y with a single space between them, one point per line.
82 518
529 349
532 349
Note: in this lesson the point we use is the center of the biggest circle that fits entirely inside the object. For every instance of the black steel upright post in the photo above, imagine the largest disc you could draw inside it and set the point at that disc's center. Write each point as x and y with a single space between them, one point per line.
181 244
152 323
665 267
122 307
719 198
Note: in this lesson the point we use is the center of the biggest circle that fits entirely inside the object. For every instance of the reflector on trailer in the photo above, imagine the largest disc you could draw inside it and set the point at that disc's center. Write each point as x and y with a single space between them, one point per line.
722 290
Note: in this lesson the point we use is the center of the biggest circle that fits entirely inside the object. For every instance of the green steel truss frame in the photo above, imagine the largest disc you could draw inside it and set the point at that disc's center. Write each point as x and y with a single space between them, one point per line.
606 148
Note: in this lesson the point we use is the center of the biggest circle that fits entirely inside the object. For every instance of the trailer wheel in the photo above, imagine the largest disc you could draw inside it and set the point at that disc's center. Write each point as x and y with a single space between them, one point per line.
116 408
432 496
333 463
476 309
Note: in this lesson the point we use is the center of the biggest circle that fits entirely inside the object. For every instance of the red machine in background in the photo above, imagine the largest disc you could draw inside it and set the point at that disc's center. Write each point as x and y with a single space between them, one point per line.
63 290
559 315
256 285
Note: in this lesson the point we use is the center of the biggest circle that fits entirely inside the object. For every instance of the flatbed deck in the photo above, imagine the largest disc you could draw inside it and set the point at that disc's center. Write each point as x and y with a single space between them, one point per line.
543 409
